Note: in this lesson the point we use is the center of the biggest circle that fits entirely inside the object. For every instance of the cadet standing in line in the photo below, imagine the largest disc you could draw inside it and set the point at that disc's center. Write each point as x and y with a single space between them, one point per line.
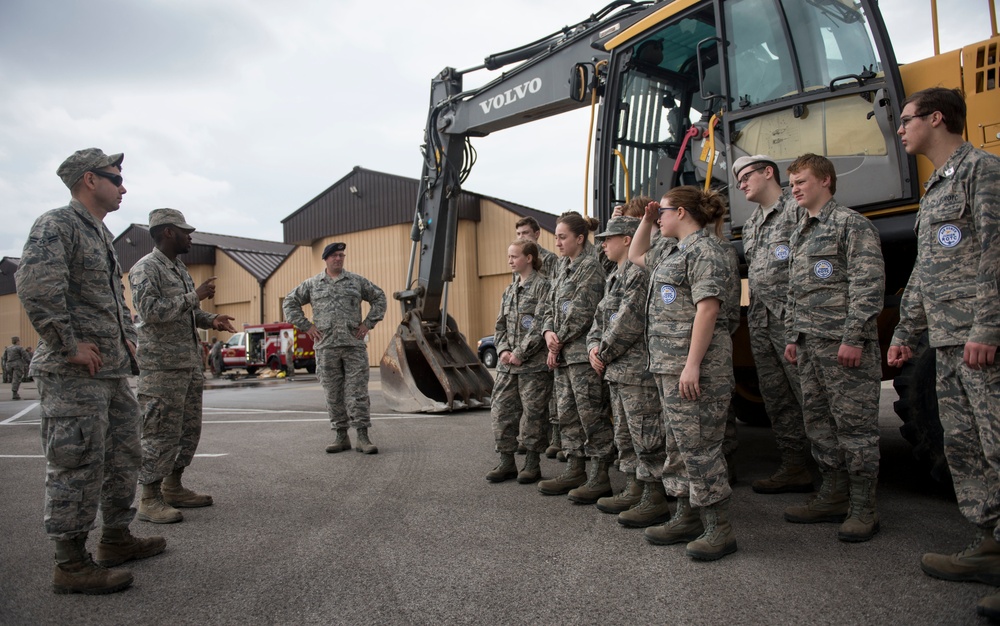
584 414
617 348
339 338
15 361
766 236
835 293
523 382
952 294
690 353
69 283
172 379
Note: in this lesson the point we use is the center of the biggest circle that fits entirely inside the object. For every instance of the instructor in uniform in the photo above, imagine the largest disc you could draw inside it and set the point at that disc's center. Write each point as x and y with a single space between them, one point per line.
339 336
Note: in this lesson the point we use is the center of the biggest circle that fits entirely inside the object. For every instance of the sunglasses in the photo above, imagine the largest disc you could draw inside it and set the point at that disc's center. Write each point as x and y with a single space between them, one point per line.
115 179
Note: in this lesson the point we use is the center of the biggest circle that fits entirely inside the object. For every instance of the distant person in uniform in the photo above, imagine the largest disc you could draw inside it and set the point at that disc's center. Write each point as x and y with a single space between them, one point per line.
836 287
69 283
766 236
952 295
288 339
338 333
215 358
15 361
171 380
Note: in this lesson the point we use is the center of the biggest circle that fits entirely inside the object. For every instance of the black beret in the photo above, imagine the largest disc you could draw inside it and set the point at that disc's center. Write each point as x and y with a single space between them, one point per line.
333 247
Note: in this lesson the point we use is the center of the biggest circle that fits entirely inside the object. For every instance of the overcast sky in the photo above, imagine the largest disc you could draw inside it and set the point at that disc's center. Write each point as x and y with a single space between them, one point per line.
238 112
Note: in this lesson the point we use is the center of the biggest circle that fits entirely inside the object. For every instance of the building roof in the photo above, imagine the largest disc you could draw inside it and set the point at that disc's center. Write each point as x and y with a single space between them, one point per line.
258 257
8 265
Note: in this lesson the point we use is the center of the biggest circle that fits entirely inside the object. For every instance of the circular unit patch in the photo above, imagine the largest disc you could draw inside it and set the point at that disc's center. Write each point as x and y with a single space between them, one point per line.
823 269
527 321
781 252
613 317
949 235
668 293
565 307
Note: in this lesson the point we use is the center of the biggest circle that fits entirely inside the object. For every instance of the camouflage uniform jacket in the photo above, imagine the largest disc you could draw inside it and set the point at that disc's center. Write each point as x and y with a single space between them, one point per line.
577 287
731 303
15 356
836 277
69 283
518 327
164 298
619 326
953 288
696 268
765 243
336 305
549 262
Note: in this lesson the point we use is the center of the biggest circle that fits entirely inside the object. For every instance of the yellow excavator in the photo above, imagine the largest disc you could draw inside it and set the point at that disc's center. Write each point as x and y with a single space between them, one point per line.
678 91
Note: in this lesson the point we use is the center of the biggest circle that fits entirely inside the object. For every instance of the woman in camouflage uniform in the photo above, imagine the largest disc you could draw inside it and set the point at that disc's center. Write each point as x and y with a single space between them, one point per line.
523 381
690 354
584 414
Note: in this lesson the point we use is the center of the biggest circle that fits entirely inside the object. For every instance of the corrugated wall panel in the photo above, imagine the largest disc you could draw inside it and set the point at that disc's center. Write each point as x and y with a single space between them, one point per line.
490 291
14 322
496 231
237 293
299 265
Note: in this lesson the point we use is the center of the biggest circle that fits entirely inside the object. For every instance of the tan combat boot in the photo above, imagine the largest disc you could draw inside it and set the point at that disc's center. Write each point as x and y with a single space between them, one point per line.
573 476
989 606
342 443
830 504
718 540
684 526
152 508
365 445
624 499
532 471
555 443
597 486
118 545
862 518
652 508
980 562
178 496
76 572
793 476
505 470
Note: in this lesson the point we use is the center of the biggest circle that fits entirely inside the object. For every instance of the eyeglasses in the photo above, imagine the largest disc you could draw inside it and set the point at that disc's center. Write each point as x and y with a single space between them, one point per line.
667 208
743 179
903 121
115 179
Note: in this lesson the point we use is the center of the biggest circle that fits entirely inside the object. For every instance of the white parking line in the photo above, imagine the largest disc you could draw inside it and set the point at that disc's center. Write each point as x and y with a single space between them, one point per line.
42 456
14 417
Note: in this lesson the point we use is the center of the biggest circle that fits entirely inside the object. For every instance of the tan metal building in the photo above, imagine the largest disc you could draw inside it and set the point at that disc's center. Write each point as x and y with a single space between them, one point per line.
372 213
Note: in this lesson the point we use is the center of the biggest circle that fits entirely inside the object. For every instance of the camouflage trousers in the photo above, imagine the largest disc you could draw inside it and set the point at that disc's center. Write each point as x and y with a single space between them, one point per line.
521 401
17 374
638 430
90 435
171 420
343 370
840 406
695 429
584 412
969 403
780 387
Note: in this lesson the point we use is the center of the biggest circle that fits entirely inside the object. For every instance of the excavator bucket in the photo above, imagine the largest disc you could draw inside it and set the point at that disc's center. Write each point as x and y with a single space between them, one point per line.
423 372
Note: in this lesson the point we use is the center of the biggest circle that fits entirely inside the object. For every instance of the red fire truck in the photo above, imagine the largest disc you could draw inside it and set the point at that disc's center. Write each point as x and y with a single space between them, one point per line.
265 346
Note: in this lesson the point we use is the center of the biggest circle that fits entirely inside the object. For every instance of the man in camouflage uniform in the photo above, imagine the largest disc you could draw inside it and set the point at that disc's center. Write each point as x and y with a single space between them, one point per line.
69 283
339 337
16 360
952 294
765 243
617 348
172 379
836 289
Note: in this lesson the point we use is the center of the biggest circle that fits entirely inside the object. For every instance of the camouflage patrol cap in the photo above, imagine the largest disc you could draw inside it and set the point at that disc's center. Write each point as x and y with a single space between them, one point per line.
334 247
620 225
81 161
168 217
746 161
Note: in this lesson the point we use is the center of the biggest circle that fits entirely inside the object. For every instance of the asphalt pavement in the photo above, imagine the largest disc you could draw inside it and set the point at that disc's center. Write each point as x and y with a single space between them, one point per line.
415 535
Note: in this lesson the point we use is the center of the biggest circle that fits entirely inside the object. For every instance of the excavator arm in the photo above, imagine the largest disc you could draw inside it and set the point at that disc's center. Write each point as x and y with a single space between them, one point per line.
428 365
